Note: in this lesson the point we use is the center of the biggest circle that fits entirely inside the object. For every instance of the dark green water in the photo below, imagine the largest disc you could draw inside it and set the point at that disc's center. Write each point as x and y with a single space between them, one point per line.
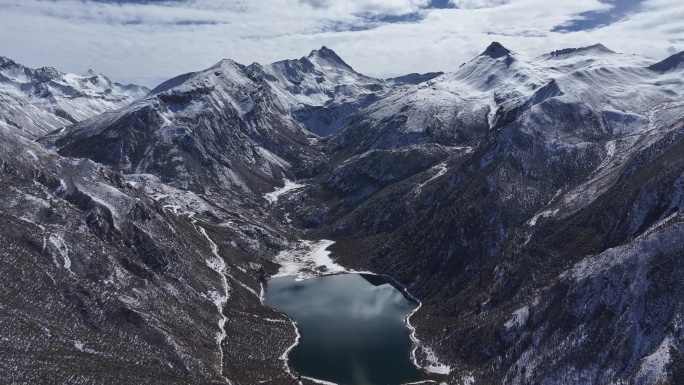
352 328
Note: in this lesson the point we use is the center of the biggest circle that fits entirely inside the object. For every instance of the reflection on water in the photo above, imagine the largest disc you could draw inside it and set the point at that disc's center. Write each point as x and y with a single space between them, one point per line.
374 280
352 328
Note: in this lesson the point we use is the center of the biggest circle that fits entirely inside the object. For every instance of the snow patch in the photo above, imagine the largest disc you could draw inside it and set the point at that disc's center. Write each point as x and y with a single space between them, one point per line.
518 318
61 246
33 154
81 347
273 196
543 214
317 381
307 260
273 158
434 366
249 289
440 169
654 367
62 189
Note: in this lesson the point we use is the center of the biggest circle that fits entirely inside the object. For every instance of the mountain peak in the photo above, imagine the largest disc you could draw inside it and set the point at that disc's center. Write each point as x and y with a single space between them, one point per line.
496 50
90 72
328 58
596 48
6 62
45 74
673 62
599 47
323 52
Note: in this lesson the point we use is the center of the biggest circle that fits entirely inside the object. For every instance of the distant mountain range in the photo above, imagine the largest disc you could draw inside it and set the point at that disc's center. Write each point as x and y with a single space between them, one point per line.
534 205
36 101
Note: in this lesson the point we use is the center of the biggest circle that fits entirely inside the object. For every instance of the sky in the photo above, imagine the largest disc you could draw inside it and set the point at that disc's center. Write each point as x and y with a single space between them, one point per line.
148 41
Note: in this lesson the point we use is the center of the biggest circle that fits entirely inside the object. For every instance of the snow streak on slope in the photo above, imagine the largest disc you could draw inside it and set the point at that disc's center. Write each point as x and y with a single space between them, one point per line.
220 299
58 242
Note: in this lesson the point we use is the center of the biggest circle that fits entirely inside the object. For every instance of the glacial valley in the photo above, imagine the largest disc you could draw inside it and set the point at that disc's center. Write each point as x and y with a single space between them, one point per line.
533 207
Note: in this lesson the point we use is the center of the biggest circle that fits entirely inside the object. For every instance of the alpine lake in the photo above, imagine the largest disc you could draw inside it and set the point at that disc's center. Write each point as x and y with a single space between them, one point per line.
352 328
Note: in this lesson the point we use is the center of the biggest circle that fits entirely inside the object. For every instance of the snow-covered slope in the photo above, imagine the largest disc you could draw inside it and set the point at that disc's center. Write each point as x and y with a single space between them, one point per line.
36 101
229 125
219 128
459 107
321 90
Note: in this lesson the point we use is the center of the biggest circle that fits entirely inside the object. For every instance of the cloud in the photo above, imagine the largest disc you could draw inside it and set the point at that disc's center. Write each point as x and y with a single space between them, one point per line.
376 7
316 3
148 42
475 4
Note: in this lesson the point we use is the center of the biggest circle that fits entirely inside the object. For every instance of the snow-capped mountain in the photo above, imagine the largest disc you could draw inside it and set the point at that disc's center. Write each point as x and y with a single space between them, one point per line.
218 128
34 102
321 90
458 108
535 206
229 125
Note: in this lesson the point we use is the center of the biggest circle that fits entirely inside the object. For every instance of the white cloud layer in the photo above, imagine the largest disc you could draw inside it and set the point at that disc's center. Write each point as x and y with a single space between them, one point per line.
474 4
379 7
148 43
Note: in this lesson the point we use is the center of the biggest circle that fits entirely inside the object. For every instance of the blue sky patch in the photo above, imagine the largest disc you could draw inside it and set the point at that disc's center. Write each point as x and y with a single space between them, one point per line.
592 20
372 21
440 4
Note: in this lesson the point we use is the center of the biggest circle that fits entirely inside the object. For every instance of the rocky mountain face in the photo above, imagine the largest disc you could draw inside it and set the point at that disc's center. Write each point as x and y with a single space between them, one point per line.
533 204
123 279
34 102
